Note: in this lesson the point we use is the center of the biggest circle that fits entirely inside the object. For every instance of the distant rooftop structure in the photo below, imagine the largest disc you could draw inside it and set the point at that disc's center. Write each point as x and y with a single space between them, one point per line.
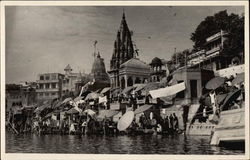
68 69
135 63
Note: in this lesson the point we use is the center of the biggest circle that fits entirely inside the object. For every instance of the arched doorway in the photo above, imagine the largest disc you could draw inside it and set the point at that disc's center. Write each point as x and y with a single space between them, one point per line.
130 81
122 82
137 80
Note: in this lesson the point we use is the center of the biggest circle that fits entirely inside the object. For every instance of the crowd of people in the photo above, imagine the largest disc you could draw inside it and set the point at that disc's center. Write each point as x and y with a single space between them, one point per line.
213 101
160 125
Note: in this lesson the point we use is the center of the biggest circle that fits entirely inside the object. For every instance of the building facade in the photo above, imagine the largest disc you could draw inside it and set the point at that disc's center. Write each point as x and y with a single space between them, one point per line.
19 96
70 80
50 86
212 57
134 71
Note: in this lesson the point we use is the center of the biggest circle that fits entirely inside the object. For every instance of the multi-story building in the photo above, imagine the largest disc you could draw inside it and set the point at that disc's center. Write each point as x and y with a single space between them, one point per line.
50 86
70 80
19 96
211 57
56 85
13 97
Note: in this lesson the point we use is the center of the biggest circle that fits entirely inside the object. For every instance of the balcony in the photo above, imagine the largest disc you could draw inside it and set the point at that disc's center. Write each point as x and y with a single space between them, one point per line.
48 81
47 90
211 51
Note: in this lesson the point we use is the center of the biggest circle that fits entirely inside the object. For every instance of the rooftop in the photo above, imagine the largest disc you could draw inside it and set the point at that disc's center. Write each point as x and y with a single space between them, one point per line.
135 63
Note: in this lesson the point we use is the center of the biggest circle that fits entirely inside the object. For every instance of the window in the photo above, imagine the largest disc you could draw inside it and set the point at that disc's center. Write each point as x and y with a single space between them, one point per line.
53 85
53 77
40 94
46 94
41 86
53 94
47 85
41 77
193 87
47 77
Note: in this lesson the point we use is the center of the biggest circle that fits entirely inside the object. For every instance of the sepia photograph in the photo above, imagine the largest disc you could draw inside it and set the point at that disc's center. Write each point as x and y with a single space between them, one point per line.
124 79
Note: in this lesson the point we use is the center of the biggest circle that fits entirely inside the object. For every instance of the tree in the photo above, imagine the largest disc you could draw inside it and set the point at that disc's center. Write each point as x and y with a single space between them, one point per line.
233 24
180 58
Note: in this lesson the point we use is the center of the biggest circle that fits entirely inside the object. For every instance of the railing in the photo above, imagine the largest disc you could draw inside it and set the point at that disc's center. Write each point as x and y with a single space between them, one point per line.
47 90
213 50
48 81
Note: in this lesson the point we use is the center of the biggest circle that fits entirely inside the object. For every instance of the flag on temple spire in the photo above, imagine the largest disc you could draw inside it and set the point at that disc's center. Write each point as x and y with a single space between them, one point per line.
95 42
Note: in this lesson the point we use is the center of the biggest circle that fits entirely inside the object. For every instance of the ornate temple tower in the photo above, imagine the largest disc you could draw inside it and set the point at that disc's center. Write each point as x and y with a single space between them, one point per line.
123 51
98 70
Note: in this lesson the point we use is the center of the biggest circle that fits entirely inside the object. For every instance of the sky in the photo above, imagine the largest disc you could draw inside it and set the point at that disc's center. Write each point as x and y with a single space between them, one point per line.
41 39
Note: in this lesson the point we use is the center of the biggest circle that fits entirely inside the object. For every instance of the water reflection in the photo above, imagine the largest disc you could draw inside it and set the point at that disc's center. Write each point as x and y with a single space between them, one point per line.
145 144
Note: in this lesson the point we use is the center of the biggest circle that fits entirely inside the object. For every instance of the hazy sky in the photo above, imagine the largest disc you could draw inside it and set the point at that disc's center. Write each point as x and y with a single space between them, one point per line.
46 39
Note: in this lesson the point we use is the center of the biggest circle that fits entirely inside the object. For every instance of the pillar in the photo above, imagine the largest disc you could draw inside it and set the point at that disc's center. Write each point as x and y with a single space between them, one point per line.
126 81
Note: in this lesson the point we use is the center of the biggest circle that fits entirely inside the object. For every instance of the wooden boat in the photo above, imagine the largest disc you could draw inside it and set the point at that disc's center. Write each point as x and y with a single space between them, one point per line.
231 127
201 129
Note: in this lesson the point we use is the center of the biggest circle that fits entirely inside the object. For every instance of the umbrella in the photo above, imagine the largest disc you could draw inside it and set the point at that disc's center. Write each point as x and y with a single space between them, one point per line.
72 111
139 87
29 107
116 91
92 95
107 114
149 87
127 90
215 83
89 112
58 104
142 108
104 90
168 100
238 79
66 100
84 94
230 98
77 99
48 115
41 108
125 121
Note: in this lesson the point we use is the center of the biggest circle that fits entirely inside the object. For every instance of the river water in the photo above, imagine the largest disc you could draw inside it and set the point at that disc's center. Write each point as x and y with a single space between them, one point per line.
124 144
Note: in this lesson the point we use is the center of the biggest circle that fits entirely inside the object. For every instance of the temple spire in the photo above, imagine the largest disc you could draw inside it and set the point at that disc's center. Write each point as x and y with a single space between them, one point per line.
123 14
123 47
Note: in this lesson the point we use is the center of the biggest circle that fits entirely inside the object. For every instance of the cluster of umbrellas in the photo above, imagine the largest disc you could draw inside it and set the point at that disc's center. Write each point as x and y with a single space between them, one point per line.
225 99
216 82
125 121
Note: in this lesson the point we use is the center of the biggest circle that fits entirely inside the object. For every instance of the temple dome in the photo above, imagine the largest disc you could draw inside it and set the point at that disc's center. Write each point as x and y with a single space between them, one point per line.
98 69
156 61
135 63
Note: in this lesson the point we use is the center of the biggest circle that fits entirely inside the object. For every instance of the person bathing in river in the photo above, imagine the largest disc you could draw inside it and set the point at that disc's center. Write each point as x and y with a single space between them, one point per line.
166 124
175 122
171 123
212 95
